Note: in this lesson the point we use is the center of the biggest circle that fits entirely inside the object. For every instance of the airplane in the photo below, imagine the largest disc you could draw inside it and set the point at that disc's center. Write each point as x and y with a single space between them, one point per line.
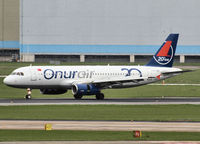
90 80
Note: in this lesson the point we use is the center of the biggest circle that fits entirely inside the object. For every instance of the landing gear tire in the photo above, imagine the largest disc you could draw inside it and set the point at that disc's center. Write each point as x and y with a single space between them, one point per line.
78 97
100 96
28 96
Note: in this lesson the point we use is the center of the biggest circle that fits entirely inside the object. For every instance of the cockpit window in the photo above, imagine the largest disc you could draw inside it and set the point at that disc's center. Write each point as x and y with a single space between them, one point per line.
13 73
18 73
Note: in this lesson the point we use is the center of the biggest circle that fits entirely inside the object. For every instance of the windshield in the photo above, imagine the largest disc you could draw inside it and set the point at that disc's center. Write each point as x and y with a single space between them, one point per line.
17 73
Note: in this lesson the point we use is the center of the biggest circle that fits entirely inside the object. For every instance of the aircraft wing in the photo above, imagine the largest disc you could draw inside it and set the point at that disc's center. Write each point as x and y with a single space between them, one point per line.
104 83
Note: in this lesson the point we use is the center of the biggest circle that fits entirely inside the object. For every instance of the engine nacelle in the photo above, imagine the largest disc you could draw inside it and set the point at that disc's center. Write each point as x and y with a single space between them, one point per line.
84 89
52 91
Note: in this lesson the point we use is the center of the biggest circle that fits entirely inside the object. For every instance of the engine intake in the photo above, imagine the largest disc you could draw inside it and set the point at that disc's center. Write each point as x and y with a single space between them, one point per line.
84 89
52 91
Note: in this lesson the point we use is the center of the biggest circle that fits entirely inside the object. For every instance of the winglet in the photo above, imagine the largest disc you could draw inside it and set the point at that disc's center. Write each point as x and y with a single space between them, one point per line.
164 57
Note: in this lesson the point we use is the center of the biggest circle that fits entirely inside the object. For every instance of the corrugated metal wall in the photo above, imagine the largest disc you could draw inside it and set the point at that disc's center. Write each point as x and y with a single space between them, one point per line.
108 26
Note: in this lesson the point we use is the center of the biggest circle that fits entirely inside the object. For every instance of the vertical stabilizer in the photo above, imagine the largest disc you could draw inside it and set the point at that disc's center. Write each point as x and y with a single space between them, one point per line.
164 57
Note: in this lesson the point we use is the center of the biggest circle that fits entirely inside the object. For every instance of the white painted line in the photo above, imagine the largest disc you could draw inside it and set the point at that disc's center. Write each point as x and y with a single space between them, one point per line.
104 103
176 84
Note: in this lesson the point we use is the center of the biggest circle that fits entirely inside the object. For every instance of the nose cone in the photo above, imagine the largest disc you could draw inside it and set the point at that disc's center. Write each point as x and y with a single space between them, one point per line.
8 81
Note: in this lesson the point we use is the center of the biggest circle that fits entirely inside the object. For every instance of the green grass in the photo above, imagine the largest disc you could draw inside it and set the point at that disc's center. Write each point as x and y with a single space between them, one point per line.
154 91
143 91
69 135
186 78
103 112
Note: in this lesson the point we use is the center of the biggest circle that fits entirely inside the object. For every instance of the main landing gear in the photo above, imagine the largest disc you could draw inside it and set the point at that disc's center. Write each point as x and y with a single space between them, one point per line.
99 96
28 96
78 96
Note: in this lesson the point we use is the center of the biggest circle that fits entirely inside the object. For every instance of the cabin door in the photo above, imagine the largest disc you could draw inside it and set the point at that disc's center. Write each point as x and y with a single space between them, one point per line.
33 74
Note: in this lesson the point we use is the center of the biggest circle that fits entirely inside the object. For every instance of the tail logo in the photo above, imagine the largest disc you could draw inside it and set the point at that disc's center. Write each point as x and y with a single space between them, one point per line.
165 55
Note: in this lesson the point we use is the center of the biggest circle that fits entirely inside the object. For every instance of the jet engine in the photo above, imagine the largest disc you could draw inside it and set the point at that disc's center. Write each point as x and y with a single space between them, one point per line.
85 89
52 91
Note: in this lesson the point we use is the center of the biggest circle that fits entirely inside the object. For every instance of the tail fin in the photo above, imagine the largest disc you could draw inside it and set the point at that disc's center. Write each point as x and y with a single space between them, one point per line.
164 57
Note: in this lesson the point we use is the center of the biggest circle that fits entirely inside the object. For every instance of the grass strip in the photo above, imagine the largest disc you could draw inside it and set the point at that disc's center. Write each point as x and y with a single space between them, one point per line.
142 91
62 135
103 112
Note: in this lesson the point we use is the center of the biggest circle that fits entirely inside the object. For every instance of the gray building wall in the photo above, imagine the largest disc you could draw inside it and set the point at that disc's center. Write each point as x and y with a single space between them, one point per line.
107 26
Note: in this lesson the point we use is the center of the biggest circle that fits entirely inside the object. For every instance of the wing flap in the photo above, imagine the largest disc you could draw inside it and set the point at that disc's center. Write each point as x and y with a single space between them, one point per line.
118 80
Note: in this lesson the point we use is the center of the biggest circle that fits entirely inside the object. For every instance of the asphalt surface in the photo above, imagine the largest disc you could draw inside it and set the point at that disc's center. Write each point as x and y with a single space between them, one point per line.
131 101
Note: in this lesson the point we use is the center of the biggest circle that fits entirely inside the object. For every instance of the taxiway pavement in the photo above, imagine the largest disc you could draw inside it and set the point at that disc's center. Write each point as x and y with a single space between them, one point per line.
130 101
102 125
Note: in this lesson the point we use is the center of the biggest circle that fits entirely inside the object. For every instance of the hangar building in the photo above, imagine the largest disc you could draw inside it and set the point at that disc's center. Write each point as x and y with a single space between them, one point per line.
9 29
106 30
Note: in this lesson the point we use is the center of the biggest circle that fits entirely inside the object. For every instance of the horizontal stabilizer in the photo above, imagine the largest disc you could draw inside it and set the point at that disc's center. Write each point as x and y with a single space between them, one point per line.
177 72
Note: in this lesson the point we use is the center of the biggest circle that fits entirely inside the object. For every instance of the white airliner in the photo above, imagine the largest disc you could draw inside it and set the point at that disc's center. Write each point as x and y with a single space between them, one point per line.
90 80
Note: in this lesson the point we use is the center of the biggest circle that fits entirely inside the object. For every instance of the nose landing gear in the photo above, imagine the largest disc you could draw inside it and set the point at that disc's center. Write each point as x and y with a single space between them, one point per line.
28 96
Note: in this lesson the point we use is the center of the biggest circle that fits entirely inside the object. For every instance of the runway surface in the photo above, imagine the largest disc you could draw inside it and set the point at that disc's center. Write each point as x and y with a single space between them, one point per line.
102 125
130 101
